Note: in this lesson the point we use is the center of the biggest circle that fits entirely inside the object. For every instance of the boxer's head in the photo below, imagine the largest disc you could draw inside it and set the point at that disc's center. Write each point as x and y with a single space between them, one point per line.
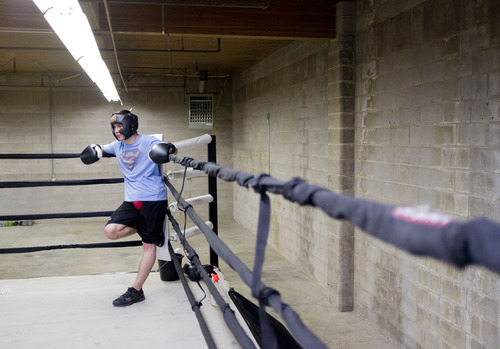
127 120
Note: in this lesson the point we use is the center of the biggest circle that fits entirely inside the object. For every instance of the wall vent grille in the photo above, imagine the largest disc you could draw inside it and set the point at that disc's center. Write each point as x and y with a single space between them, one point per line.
201 112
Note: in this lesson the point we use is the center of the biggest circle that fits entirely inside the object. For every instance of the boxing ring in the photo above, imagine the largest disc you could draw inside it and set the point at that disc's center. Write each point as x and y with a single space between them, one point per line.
415 230
240 333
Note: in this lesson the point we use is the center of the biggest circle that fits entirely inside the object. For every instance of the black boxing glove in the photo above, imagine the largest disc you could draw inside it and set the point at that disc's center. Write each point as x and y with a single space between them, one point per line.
191 271
160 152
91 154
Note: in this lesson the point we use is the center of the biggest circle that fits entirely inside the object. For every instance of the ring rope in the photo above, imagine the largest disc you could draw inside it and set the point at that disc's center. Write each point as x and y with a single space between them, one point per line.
61 247
304 336
25 184
40 156
228 313
415 230
195 306
55 215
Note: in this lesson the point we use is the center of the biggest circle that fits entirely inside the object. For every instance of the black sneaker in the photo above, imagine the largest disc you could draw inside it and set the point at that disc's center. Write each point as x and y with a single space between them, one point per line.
130 297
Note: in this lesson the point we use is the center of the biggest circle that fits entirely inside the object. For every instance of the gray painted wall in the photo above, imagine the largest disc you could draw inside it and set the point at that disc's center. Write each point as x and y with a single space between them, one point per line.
74 116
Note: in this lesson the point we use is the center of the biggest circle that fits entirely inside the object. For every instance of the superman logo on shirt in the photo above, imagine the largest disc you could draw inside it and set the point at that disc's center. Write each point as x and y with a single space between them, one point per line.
129 158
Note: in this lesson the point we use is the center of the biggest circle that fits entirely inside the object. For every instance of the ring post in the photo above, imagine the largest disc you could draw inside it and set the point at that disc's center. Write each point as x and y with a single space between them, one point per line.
212 206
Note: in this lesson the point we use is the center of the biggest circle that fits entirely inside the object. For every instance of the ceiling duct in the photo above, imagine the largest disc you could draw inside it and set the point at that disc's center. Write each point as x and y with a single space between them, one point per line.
203 80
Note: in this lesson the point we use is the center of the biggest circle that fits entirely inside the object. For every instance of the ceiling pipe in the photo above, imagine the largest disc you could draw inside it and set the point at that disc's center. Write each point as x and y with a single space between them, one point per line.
118 50
263 6
114 45
29 31
177 76
170 50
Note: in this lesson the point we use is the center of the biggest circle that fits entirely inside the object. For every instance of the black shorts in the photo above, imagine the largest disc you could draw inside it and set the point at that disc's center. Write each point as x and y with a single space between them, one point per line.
148 220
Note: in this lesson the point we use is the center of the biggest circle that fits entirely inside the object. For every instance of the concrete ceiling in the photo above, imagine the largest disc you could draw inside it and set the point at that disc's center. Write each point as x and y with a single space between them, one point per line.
165 37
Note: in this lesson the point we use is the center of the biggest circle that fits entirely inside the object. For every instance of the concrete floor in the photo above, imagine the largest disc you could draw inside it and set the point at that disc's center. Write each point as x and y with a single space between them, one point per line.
62 298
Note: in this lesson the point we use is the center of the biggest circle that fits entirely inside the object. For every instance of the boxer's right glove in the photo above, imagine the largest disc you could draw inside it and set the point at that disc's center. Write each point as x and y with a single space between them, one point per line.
91 154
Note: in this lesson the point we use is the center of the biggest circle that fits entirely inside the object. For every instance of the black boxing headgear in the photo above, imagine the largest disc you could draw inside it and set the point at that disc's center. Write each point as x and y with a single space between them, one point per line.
128 120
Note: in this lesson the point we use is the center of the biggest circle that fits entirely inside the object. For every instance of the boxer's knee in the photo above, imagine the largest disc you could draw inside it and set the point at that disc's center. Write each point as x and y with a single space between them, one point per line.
117 231
110 231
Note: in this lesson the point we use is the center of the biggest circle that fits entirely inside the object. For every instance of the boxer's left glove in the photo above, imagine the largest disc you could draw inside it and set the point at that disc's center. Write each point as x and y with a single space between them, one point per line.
160 152
91 154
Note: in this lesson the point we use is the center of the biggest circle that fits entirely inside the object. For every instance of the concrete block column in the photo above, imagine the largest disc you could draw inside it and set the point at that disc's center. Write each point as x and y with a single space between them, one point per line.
341 81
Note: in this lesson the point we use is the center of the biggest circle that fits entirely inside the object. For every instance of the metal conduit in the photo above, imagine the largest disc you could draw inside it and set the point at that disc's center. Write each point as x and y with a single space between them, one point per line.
114 45
264 5
111 50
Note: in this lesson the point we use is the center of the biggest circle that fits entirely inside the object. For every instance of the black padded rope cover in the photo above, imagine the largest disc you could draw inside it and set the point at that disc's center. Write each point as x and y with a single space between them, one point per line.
47 156
55 215
62 247
195 306
414 230
265 294
25 184
39 156
227 313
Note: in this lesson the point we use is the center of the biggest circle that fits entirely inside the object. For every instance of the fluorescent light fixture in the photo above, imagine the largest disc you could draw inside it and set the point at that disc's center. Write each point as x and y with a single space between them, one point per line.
71 25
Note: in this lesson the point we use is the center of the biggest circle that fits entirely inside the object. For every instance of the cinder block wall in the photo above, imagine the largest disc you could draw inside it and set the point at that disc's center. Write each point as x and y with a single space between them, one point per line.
426 133
281 127
293 115
427 122
79 115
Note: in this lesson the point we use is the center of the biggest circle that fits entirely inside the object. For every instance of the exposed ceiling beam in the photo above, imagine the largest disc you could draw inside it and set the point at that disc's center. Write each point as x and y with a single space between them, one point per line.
227 35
